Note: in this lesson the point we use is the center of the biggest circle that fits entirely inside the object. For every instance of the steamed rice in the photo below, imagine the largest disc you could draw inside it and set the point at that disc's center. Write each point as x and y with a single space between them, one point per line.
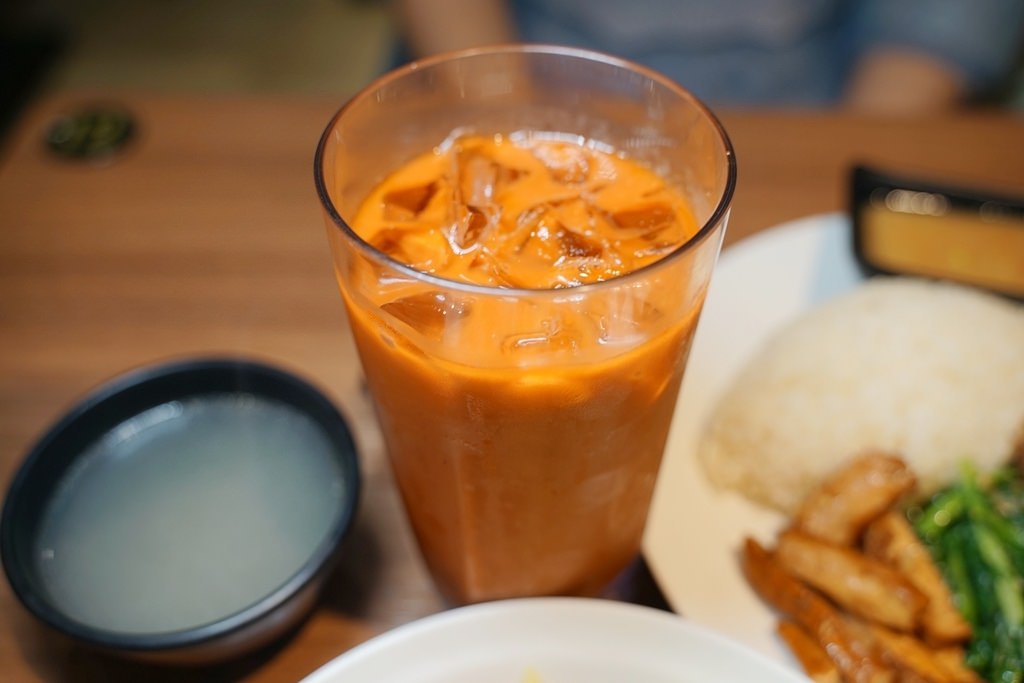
929 371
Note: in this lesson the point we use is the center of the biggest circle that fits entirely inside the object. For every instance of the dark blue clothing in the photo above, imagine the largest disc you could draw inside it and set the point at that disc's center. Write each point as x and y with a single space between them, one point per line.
779 52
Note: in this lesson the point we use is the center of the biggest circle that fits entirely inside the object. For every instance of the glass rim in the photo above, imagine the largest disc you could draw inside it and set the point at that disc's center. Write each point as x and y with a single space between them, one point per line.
717 216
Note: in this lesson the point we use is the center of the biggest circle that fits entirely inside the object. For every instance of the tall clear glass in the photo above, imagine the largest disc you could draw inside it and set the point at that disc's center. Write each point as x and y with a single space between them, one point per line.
525 427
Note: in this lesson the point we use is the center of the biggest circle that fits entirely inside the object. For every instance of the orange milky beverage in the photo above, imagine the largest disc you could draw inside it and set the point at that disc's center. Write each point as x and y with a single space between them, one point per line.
522 289
523 476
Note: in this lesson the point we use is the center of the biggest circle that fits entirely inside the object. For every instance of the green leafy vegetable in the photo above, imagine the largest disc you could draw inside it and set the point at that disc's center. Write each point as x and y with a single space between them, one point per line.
975 531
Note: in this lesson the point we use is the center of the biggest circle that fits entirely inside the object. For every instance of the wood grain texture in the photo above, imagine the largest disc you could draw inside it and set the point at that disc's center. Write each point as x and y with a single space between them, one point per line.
204 237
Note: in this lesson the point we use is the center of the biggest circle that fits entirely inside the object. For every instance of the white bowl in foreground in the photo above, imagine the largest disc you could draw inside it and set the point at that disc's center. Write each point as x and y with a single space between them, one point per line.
551 640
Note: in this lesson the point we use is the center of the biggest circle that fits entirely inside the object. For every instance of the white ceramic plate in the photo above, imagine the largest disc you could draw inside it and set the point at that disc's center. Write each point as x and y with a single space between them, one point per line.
695 531
554 640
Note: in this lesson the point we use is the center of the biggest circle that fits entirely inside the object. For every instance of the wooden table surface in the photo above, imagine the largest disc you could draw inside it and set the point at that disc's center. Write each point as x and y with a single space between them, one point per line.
205 237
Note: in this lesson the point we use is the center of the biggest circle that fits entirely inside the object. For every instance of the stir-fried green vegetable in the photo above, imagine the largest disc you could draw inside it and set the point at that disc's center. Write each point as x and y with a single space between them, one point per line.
975 531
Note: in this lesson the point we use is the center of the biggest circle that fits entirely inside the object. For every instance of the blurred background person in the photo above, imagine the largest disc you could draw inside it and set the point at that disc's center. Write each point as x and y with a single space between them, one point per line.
887 56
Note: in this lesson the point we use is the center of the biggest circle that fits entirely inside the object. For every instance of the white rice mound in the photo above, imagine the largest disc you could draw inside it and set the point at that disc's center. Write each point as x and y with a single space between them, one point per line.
929 371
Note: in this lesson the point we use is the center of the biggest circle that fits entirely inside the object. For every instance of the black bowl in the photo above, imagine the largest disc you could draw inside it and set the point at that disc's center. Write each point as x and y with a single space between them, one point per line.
46 473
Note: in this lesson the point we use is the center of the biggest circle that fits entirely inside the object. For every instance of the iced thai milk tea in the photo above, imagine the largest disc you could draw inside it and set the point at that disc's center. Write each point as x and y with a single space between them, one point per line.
526 384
